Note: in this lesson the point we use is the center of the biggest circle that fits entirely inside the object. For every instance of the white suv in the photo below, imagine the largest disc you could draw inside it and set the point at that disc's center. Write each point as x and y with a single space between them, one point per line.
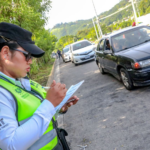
82 51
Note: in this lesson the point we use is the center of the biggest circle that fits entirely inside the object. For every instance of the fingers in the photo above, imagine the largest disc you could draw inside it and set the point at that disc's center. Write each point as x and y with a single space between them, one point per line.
75 100
53 83
61 86
64 108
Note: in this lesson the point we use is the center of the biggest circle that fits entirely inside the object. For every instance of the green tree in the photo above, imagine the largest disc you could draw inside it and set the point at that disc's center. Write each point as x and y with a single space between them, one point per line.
144 7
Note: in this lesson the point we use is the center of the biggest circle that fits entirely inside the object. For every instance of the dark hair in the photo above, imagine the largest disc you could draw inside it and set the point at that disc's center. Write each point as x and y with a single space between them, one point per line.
11 44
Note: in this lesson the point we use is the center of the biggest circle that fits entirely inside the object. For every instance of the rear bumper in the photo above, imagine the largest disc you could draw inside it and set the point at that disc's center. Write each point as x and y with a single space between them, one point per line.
140 77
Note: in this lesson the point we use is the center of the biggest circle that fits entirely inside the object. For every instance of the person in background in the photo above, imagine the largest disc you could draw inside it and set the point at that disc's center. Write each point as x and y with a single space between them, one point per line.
107 45
26 110
59 53
116 45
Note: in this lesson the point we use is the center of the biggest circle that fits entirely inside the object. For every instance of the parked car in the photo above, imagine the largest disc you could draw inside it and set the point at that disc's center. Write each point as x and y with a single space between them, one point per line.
66 54
126 55
82 51
54 55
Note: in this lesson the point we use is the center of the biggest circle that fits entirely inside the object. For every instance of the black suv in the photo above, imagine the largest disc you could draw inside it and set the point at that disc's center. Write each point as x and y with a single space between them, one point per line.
126 55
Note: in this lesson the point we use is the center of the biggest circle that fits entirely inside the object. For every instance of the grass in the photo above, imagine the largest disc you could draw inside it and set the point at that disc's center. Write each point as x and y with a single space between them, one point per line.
42 76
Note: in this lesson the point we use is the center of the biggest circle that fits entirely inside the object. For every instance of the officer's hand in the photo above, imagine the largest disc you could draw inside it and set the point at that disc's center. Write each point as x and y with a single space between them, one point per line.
56 93
69 104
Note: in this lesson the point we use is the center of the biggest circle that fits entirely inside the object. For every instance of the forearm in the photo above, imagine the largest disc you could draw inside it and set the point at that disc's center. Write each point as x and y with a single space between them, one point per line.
14 137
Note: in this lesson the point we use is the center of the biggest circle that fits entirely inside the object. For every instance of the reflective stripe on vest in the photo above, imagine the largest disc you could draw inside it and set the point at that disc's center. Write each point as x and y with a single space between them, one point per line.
26 105
44 140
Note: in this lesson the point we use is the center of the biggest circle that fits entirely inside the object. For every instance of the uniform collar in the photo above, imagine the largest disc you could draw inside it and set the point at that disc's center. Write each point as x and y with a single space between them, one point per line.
22 82
12 80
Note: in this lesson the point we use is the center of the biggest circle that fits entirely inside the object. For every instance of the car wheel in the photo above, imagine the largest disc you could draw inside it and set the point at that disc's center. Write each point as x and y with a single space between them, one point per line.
100 68
125 77
75 64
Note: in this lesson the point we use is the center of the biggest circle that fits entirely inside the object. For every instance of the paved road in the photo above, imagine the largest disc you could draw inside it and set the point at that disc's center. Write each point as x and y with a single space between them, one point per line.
107 117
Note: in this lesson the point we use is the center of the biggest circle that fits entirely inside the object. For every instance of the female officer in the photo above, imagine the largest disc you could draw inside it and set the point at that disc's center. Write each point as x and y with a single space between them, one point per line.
26 110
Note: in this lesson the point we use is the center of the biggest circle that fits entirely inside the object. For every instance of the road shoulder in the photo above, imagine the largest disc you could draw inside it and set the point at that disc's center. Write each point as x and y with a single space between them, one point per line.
55 75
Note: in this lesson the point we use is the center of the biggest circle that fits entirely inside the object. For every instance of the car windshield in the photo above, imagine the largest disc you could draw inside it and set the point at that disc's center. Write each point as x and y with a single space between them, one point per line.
131 38
65 50
81 45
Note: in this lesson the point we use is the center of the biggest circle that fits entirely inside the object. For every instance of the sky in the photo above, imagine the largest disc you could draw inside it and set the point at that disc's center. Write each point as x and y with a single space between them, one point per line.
72 10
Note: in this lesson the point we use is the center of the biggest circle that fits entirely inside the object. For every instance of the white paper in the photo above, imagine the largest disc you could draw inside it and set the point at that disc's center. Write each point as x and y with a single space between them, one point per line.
69 93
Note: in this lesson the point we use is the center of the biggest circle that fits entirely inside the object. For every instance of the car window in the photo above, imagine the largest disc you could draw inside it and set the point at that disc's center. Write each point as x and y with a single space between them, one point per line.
107 44
81 45
65 50
131 38
100 46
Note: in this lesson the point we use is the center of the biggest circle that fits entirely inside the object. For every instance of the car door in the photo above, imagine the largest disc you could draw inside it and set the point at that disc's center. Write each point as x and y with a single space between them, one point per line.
100 52
110 60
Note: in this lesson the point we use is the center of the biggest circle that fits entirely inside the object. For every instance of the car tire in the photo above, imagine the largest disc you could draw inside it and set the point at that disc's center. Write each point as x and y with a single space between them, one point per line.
75 64
100 68
125 77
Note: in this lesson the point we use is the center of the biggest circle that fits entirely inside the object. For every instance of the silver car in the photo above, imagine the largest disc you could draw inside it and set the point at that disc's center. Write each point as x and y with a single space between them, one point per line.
82 51
66 54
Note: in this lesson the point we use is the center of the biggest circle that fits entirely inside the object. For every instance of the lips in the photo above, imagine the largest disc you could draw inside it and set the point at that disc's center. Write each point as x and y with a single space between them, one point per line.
28 69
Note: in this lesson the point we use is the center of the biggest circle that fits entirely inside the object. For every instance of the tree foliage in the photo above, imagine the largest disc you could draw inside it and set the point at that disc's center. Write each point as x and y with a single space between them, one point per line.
144 7
64 41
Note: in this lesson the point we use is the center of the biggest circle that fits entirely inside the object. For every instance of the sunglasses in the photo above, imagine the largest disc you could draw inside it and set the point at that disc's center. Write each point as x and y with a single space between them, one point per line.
26 54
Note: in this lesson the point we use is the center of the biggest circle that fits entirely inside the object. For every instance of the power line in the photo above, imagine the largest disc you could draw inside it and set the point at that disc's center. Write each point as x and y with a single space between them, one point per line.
116 12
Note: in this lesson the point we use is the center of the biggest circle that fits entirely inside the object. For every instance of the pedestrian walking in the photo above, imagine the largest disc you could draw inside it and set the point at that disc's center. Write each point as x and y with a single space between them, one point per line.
26 111
59 53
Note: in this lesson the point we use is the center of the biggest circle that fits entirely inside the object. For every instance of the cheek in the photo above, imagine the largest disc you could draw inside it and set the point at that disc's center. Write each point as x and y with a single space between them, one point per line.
18 64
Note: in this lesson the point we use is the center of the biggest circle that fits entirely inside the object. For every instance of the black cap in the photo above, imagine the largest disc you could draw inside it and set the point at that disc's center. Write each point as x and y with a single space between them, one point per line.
22 37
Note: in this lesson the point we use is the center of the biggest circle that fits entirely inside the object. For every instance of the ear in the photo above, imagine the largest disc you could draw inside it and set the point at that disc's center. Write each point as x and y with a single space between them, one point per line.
5 53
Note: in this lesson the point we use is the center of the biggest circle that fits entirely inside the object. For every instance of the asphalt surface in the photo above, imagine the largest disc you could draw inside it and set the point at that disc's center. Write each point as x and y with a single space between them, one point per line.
107 116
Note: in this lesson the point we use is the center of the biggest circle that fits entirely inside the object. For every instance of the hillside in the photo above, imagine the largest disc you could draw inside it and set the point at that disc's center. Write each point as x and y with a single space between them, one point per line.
72 28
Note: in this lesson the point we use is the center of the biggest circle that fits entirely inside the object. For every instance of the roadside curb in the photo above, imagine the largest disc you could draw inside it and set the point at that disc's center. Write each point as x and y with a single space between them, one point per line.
55 75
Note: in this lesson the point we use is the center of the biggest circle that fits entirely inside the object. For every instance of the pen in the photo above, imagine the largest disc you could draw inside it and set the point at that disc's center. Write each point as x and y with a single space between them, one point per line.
70 101
46 87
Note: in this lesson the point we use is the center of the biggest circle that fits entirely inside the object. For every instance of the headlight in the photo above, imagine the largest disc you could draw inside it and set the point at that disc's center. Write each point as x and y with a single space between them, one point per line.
145 63
76 54
141 64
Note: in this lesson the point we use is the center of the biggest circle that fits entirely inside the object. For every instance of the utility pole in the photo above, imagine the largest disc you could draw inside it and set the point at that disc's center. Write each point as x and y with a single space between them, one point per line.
137 7
97 21
135 16
95 28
